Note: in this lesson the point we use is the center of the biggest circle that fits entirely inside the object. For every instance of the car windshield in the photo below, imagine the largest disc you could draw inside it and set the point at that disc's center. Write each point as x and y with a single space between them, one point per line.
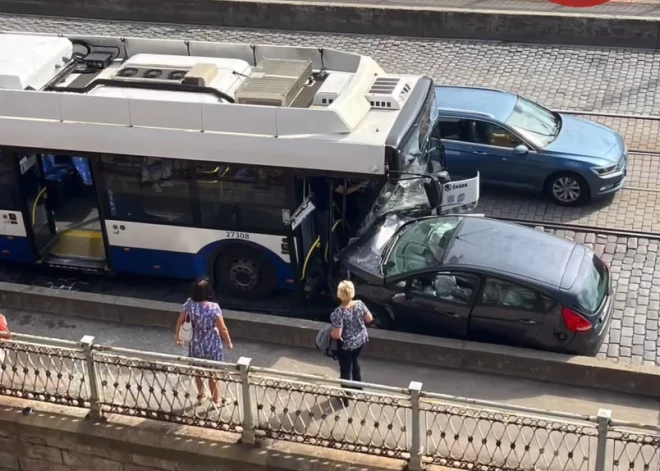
536 124
408 192
421 246
594 287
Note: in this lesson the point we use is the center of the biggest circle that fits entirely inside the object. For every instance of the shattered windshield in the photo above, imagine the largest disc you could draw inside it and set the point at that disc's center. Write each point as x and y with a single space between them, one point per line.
407 192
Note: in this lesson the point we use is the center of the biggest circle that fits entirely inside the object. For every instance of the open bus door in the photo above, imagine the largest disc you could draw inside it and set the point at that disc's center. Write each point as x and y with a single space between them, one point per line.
38 216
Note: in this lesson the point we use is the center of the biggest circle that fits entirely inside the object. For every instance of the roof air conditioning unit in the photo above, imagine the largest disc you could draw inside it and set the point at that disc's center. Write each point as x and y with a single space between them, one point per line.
151 74
274 82
201 75
388 93
333 85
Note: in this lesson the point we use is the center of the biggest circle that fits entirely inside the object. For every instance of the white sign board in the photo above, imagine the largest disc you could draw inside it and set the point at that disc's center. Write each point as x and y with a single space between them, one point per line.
460 196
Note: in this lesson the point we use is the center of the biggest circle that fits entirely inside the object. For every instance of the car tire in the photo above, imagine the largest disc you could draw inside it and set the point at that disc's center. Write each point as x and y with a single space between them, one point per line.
567 189
245 273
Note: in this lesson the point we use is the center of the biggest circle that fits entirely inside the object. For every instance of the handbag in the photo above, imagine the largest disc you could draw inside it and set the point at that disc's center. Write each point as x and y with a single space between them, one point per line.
186 333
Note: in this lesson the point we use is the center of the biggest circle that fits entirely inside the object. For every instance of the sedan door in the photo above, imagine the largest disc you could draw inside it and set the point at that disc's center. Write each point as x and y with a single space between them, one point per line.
510 313
437 303
494 147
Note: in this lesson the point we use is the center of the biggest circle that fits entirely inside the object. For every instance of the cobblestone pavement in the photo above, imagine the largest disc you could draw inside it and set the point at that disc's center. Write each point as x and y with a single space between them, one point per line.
634 210
641 135
586 79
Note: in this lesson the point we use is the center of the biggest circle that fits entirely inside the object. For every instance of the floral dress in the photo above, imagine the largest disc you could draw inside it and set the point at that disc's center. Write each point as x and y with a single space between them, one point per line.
206 343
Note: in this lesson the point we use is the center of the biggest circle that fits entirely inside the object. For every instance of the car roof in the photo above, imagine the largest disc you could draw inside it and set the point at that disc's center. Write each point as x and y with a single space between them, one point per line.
495 103
519 252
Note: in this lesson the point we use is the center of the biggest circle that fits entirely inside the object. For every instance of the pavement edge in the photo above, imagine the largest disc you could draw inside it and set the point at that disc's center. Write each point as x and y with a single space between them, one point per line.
428 22
385 345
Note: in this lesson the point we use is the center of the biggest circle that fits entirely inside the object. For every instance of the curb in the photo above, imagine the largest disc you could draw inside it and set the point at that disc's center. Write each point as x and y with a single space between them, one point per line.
383 345
426 22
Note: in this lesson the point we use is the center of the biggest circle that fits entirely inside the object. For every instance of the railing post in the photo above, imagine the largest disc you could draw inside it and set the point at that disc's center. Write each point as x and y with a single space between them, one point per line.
604 417
248 416
86 343
416 447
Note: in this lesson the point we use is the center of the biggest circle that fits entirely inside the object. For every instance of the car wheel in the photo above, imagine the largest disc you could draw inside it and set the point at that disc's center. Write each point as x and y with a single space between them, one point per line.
245 274
567 189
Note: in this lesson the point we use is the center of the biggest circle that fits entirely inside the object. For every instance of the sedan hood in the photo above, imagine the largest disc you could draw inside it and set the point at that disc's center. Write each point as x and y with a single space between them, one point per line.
586 138
363 257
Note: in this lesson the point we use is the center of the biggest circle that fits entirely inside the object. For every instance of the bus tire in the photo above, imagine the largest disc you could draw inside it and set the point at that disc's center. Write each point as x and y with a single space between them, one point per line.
245 273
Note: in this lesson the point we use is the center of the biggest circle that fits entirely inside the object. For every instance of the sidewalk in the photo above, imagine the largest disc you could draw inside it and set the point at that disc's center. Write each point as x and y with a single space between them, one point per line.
480 386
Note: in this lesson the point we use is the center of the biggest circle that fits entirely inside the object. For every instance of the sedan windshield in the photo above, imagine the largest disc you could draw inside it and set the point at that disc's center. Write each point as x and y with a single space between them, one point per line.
421 246
536 124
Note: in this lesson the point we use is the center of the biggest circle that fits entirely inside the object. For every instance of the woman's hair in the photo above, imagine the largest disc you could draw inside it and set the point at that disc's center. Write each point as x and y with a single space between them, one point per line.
201 291
346 291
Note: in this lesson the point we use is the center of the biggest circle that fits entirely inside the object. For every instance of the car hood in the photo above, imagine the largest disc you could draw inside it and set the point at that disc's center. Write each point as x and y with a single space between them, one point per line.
586 138
363 257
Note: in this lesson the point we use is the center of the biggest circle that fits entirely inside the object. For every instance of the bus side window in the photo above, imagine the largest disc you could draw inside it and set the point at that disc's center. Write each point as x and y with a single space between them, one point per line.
7 183
147 189
247 199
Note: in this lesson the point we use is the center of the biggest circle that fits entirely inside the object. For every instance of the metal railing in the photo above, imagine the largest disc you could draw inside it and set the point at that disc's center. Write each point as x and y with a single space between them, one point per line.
406 423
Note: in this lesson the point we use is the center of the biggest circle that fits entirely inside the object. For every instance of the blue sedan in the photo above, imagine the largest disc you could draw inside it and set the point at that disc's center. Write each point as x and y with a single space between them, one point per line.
516 143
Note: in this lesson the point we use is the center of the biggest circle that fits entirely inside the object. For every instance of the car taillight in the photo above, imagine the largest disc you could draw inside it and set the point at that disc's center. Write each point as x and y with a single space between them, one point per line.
574 321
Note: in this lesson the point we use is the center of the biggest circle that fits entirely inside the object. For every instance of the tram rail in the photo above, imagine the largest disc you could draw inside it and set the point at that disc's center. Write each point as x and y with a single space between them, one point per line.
580 228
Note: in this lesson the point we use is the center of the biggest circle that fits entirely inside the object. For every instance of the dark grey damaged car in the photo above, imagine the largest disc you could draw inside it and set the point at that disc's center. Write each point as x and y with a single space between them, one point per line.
476 278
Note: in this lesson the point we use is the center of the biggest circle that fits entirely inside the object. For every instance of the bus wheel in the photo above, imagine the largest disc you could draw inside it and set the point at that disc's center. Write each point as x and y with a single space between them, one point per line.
245 274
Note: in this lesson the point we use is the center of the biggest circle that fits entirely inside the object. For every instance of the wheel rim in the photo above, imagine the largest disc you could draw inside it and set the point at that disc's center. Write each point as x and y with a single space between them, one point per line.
566 190
245 275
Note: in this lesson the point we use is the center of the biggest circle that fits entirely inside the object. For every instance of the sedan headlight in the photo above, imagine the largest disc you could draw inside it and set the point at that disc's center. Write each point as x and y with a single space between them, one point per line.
604 170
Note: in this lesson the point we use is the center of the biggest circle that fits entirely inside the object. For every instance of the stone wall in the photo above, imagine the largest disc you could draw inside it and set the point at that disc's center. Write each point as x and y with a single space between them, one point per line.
60 438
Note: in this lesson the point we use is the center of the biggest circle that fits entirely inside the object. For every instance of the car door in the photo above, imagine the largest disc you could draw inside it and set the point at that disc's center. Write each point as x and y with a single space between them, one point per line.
494 149
436 303
508 312
460 163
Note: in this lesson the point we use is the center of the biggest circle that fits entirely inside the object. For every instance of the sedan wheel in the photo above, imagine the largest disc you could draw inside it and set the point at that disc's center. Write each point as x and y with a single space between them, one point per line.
568 189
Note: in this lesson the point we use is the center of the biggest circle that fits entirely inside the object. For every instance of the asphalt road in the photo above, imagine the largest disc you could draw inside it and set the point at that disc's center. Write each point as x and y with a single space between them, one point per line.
588 79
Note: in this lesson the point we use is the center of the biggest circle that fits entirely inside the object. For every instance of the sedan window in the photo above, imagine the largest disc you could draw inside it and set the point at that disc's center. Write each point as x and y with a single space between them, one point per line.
491 134
510 295
456 288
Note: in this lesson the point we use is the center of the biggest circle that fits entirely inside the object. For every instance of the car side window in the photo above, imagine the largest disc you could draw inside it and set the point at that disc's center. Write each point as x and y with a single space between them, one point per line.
504 294
454 287
490 134
450 129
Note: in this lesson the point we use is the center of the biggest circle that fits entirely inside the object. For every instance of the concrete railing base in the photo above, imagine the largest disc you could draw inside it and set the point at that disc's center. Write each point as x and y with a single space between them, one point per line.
428 22
385 345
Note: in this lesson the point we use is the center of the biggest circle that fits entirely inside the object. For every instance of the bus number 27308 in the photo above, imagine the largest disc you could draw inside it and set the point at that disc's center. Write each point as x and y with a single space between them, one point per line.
237 235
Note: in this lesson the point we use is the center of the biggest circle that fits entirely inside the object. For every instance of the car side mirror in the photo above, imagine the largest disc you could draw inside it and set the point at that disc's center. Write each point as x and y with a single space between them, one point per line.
521 150
399 298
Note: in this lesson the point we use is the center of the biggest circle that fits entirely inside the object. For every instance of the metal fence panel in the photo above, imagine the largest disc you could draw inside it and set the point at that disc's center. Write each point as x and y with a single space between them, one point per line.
462 437
629 451
329 415
168 391
44 373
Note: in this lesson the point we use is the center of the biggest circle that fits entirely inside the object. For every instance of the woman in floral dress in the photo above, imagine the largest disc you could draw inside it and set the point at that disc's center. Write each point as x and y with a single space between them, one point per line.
209 330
